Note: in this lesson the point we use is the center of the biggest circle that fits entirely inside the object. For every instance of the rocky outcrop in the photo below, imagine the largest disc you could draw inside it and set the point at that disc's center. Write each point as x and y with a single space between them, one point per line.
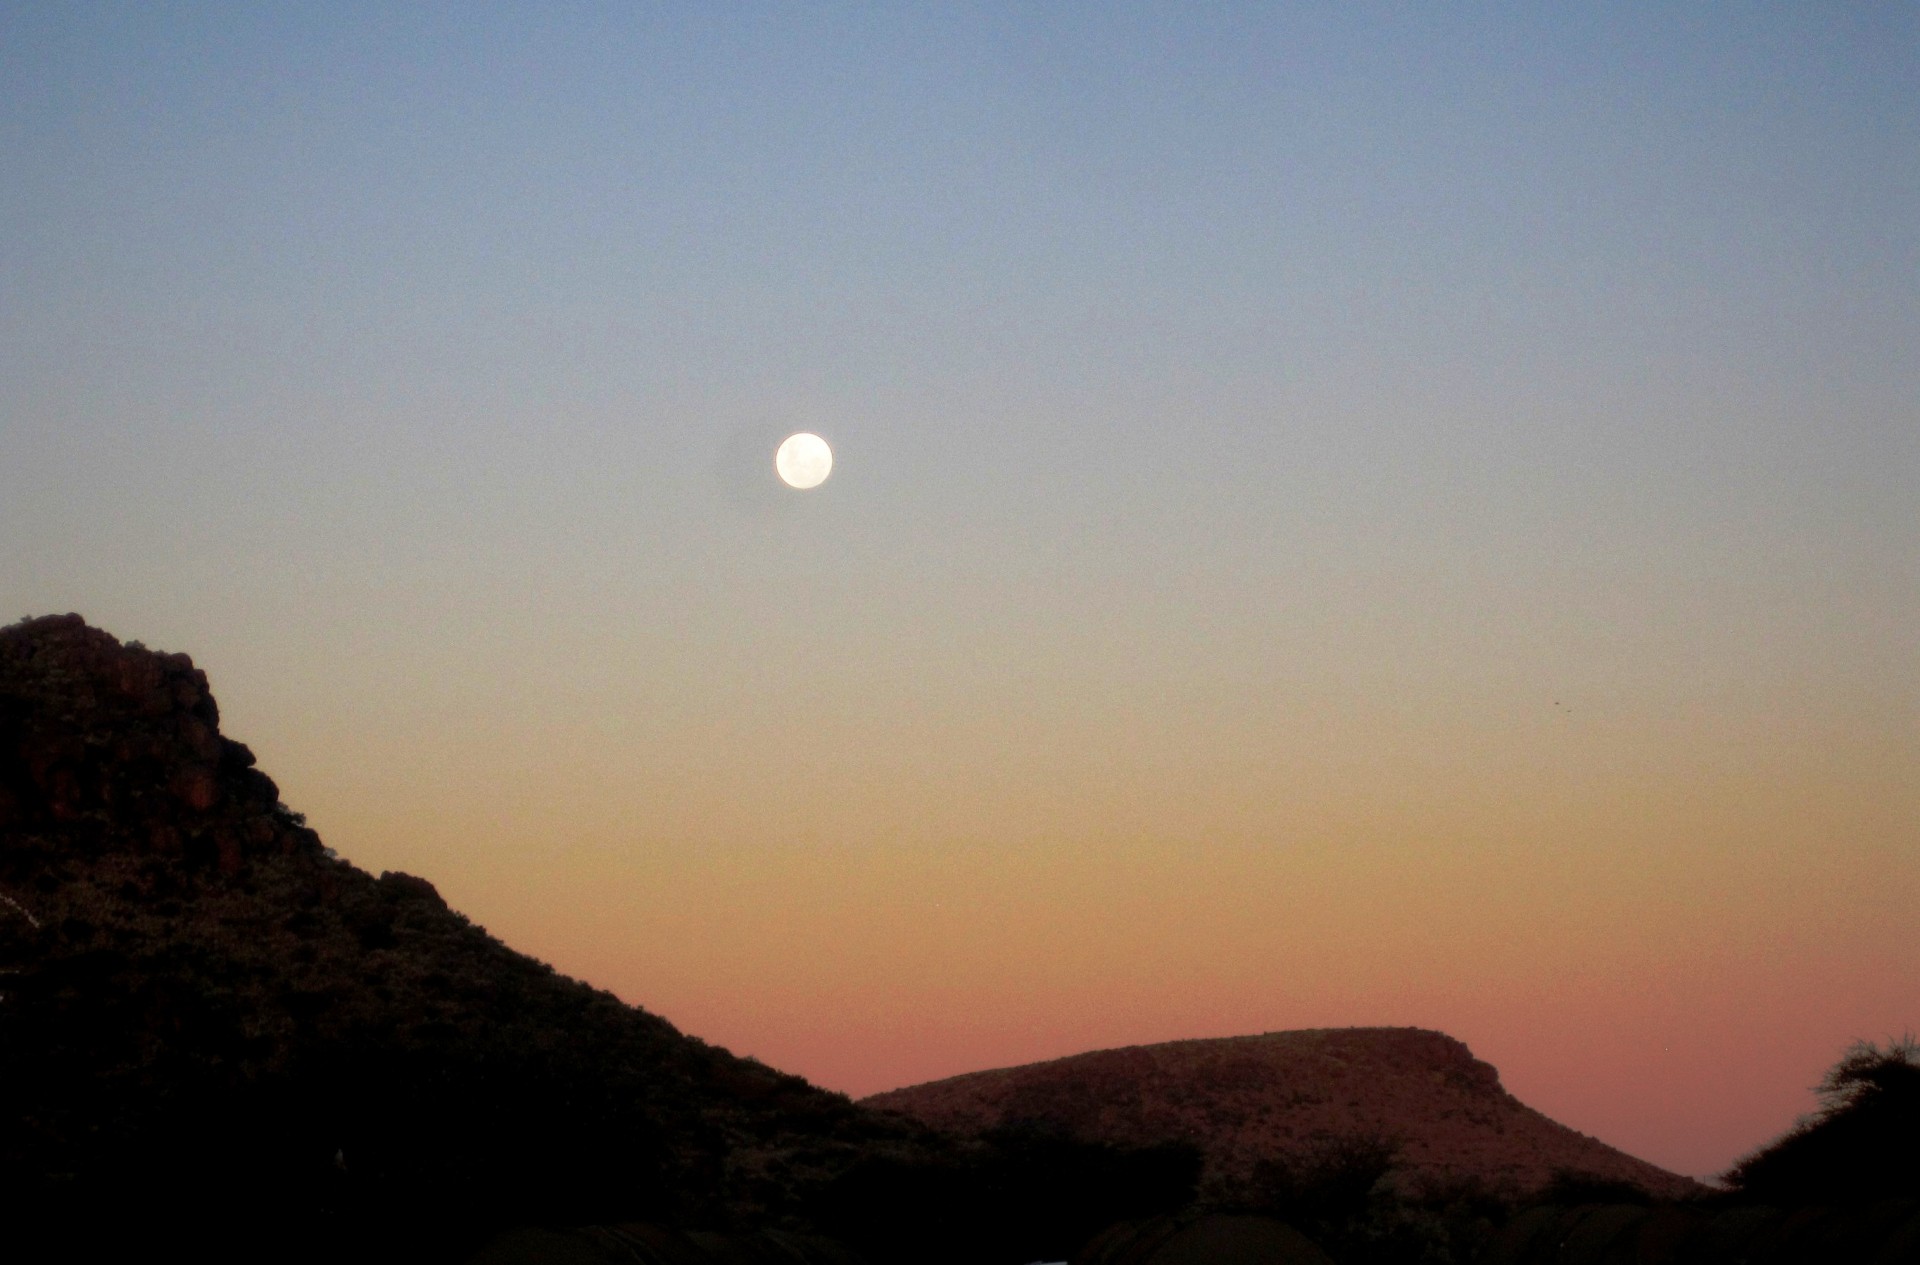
1290 1100
119 748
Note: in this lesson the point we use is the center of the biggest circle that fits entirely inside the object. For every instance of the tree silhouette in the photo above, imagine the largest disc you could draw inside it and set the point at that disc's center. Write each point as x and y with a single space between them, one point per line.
1863 1143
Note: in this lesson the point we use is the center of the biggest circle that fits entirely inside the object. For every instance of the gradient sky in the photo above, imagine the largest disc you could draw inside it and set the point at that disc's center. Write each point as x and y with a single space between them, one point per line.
1341 515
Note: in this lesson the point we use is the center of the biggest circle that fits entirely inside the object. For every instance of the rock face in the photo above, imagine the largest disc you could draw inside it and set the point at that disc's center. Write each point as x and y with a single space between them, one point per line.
120 748
1293 1100
211 1029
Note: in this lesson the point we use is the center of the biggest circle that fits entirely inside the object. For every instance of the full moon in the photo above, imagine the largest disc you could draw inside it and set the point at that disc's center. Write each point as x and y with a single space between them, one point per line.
804 461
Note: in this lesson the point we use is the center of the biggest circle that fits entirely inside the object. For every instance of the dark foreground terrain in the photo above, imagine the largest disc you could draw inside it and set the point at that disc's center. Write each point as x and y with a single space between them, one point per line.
217 1038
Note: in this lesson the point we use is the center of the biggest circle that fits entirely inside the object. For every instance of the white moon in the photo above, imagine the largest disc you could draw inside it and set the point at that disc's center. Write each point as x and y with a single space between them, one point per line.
804 461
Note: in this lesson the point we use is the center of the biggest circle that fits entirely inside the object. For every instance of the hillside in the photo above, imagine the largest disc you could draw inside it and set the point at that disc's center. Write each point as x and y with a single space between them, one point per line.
1297 1099
214 1033
210 1025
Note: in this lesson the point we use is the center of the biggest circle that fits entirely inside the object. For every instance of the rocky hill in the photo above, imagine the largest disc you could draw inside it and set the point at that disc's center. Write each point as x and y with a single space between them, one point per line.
212 1027
1261 1107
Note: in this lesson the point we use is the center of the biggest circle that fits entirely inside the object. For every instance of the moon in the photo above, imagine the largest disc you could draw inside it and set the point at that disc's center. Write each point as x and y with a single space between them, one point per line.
804 461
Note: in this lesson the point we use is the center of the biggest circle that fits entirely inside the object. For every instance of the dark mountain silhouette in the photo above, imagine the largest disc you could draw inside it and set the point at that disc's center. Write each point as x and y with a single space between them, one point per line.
1359 1105
206 1019
214 1034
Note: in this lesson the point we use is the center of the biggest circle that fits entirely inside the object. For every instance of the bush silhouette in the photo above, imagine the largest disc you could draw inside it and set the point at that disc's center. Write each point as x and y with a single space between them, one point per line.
1862 1144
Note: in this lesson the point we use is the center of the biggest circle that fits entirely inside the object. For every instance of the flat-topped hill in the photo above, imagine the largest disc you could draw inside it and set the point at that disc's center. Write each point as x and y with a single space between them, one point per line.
1295 1098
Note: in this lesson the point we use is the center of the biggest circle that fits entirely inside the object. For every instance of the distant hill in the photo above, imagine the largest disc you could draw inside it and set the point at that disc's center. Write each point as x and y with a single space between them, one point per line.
210 1026
1431 1114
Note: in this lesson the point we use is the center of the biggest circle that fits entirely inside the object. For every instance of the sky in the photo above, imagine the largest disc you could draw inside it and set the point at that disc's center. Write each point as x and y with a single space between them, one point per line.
1341 515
